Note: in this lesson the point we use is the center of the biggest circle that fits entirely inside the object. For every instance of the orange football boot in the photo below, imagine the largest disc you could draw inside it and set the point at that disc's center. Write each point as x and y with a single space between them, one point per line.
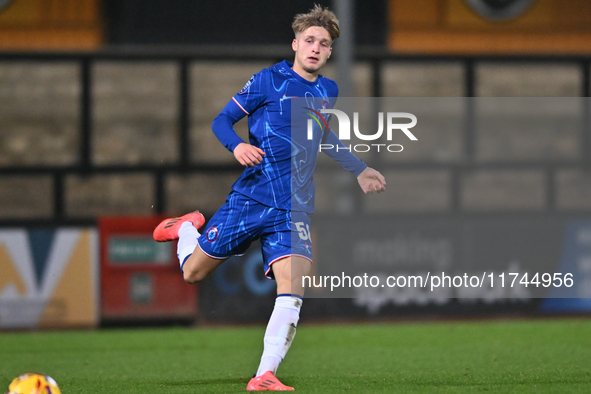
267 382
168 229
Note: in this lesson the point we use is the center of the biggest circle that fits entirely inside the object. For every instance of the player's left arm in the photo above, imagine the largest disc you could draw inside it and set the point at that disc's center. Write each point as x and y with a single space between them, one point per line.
370 180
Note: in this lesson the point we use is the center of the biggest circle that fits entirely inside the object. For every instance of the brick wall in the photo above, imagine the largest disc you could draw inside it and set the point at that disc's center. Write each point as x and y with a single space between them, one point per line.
135 122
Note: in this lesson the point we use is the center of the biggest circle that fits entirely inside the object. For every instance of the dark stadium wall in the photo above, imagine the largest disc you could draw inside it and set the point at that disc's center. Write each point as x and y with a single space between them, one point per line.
188 22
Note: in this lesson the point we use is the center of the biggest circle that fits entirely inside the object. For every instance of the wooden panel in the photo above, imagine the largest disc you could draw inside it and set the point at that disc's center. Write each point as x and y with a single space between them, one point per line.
459 15
452 26
414 13
50 39
21 12
578 14
51 24
485 43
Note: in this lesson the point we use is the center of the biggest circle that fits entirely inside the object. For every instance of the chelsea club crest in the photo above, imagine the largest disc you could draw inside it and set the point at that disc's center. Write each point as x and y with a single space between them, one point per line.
211 234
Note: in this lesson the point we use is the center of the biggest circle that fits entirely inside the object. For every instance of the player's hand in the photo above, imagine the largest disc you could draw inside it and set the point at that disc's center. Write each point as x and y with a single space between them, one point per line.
371 181
248 155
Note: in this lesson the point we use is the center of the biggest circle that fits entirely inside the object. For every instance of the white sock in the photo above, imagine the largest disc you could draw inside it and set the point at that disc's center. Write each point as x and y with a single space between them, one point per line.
188 235
280 332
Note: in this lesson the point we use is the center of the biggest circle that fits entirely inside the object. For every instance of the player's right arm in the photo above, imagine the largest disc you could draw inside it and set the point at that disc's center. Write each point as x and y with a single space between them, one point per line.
223 128
242 104
248 155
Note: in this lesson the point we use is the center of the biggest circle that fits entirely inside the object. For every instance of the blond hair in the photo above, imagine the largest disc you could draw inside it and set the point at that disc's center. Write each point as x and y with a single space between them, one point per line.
318 16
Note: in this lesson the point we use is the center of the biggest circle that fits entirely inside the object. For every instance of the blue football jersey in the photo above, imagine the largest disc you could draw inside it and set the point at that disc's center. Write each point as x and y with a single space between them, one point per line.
284 178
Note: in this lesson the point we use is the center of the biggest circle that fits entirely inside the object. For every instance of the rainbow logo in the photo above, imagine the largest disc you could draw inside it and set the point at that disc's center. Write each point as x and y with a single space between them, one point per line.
318 118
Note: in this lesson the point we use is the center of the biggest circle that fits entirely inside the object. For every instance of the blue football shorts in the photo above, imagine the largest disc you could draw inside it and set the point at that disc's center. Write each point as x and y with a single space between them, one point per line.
241 220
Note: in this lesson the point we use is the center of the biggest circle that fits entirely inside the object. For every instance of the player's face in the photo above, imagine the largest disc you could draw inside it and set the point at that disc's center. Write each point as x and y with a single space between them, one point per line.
312 49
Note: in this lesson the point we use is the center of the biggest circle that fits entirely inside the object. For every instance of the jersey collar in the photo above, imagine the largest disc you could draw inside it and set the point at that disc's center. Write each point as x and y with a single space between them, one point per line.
288 66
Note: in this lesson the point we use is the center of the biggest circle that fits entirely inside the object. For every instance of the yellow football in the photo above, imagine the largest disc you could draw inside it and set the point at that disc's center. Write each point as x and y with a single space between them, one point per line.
33 383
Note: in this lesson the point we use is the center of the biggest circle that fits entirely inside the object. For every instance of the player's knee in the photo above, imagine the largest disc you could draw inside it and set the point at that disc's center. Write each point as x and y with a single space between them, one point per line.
191 278
193 275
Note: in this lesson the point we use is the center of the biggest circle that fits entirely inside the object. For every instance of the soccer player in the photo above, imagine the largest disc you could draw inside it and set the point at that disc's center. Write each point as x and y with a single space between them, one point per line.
267 202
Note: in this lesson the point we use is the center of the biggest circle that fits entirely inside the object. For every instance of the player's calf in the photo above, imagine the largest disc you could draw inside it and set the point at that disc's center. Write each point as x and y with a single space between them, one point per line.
198 266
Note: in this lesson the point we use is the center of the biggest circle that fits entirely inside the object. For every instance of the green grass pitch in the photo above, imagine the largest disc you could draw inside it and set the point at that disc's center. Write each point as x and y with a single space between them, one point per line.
453 357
